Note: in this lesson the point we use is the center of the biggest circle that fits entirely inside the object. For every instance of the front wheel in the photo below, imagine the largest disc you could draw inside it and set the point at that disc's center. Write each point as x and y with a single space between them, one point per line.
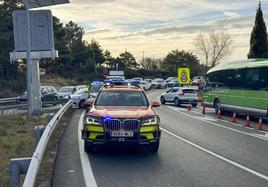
89 147
217 106
162 99
194 104
176 102
154 147
82 104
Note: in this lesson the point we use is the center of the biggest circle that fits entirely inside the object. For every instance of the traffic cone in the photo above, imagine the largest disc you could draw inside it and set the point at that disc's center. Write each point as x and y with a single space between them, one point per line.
219 115
234 118
203 109
260 125
247 121
189 107
202 102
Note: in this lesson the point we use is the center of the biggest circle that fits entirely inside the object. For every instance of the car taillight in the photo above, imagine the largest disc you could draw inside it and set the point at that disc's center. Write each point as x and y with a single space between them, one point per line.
181 94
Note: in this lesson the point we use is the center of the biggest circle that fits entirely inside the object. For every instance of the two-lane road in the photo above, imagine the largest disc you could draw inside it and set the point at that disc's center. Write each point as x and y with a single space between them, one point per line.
194 151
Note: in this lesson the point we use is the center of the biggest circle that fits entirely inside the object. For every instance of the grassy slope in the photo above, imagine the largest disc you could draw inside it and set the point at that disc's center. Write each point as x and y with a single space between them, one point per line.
56 81
16 140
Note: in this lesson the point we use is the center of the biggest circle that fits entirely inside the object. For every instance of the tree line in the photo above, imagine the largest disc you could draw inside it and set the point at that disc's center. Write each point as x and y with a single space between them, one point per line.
80 59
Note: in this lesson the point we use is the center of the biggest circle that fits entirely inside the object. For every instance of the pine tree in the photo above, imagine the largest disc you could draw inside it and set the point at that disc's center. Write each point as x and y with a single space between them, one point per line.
258 40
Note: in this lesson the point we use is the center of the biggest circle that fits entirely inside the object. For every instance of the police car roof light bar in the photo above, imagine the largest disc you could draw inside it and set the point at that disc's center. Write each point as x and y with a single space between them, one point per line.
121 83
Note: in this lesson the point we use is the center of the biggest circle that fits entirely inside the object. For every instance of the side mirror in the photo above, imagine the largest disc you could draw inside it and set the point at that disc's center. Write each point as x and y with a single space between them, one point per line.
155 104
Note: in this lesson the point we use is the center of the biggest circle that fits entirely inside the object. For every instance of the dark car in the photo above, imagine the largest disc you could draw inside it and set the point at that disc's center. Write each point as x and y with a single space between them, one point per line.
48 93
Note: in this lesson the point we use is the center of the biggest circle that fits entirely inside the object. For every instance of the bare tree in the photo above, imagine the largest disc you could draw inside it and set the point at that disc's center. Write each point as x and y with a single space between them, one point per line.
214 45
150 64
203 45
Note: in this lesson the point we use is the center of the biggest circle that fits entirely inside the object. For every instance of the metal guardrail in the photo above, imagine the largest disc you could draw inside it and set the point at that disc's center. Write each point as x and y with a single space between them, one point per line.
8 99
39 151
5 101
24 105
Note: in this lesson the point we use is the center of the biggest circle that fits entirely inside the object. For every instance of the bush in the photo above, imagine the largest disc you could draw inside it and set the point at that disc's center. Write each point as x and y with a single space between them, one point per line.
11 88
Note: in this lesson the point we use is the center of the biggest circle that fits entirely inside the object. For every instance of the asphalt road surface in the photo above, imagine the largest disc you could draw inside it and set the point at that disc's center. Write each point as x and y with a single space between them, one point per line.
195 150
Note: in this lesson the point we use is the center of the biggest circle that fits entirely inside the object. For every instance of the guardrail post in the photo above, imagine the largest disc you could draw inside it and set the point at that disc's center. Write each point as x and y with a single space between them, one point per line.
38 132
2 111
50 116
17 166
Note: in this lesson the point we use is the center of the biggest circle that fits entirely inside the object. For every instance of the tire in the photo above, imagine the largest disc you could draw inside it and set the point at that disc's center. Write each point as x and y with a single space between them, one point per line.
88 147
162 99
217 105
194 104
154 147
176 102
82 104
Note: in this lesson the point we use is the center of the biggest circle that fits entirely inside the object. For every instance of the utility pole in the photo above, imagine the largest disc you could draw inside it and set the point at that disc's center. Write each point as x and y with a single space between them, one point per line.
142 56
28 61
94 60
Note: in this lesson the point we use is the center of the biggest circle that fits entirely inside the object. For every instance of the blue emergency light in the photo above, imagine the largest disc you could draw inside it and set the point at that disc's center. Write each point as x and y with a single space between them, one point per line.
97 82
122 83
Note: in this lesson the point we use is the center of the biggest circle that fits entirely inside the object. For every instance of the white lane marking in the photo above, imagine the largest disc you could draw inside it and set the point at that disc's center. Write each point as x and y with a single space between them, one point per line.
217 155
86 167
265 135
207 118
225 127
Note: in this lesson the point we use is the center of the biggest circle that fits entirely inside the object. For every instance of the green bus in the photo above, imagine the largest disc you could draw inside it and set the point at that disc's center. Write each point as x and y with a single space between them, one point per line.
239 86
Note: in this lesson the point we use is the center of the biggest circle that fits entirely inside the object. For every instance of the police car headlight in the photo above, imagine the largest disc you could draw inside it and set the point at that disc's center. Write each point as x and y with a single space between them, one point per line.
92 121
151 121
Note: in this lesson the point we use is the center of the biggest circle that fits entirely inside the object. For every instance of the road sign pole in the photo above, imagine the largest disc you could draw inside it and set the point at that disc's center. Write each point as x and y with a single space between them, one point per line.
28 60
36 97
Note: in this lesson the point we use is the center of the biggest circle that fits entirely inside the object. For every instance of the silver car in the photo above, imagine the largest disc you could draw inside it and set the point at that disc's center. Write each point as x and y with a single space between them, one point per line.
66 91
180 95
145 85
79 98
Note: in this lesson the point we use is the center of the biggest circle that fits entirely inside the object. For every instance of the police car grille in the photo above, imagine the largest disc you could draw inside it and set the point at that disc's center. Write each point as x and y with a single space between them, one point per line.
127 125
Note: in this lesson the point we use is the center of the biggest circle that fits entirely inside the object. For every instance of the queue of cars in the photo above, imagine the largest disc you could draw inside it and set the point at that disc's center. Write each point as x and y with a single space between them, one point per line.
49 93
81 94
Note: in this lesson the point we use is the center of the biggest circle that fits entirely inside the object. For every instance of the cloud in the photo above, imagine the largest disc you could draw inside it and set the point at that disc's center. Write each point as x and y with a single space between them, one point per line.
231 14
156 26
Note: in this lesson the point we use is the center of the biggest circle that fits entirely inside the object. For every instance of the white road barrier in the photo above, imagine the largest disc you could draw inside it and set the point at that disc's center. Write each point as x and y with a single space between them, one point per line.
39 152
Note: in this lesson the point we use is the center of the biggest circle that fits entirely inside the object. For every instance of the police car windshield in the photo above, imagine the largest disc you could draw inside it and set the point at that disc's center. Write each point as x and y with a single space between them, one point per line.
121 98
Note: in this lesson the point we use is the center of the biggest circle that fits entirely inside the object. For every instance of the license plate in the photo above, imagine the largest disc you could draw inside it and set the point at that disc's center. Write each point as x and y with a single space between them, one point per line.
122 134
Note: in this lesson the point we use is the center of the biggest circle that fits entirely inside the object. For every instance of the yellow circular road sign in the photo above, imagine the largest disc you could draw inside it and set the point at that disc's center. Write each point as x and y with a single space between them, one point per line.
184 76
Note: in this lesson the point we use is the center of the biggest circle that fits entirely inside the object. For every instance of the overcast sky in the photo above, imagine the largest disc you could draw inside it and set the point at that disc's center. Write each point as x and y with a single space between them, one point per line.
158 26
